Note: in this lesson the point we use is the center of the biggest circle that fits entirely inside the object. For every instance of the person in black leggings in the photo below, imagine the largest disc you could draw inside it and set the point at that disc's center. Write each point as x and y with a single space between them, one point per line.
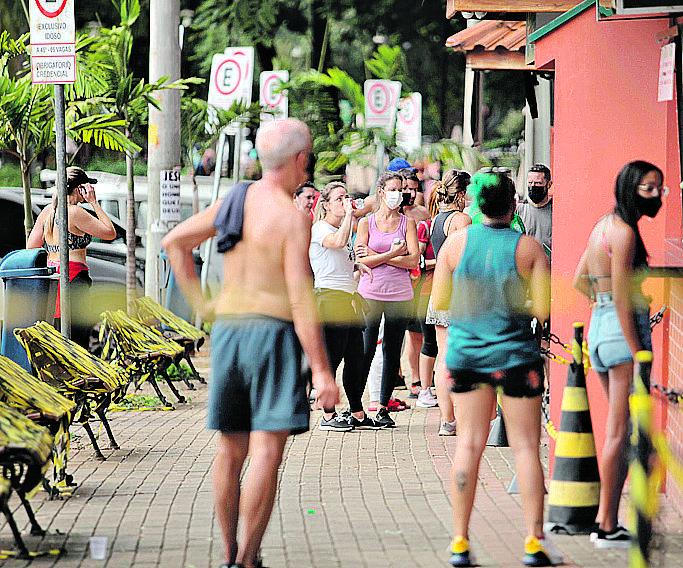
332 261
387 244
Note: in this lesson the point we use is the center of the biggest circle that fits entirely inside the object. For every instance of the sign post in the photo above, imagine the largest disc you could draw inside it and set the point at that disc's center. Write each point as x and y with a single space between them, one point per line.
381 100
232 77
271 96
53 61
409 123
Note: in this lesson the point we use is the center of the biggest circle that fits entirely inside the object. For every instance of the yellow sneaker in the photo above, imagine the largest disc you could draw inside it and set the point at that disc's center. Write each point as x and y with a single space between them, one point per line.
540 552
460 552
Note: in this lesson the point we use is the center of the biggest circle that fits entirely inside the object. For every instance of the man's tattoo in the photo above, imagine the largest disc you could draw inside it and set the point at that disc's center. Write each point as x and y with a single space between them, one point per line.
461 480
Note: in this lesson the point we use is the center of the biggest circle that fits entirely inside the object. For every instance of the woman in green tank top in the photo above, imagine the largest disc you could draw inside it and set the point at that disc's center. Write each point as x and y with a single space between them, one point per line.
485 273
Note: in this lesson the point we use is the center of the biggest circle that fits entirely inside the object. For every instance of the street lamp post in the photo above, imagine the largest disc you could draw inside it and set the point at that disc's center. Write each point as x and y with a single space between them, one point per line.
164 127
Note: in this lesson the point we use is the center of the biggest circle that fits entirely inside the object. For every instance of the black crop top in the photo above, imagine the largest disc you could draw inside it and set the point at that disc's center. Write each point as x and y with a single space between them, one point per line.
76 242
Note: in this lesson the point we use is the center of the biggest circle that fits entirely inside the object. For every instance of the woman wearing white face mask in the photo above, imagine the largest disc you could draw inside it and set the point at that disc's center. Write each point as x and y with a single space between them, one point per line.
387 244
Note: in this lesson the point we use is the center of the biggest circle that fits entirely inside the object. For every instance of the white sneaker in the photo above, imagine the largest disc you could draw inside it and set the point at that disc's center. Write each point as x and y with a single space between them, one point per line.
426 399
447 429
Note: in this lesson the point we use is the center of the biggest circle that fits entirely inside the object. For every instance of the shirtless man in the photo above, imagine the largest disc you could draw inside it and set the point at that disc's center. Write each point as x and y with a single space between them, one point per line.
264 314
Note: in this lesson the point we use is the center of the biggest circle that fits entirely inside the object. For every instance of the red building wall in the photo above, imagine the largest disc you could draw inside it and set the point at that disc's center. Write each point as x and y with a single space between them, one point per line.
607 114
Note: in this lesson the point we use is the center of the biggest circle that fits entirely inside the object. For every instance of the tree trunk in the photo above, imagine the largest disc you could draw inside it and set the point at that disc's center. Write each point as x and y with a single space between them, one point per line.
28 204
195 194
131 281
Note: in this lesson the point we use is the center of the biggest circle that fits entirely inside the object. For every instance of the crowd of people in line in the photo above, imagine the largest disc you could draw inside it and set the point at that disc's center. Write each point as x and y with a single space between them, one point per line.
464 272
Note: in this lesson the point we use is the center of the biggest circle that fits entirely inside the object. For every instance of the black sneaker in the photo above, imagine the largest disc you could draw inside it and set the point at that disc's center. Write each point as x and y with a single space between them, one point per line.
400 382
383 419
335 424
366 423
617 538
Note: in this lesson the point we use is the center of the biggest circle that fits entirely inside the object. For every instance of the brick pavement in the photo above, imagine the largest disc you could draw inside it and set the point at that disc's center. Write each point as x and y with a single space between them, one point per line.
358 499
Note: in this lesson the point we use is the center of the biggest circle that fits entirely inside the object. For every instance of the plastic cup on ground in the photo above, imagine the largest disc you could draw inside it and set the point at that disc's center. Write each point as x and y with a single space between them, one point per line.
98 547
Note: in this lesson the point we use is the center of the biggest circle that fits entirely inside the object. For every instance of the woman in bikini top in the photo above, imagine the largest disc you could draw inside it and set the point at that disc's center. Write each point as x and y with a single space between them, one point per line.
610 274
82 225
81 229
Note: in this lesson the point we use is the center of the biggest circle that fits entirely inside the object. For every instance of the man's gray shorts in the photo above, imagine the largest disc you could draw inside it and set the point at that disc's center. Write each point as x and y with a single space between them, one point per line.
256 381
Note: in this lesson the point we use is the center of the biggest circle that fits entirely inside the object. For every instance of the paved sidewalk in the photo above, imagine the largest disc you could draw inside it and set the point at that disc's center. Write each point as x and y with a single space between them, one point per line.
375 499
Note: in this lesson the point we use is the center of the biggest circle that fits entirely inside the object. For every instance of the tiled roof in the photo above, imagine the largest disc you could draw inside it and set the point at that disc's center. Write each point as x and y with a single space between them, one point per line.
490 35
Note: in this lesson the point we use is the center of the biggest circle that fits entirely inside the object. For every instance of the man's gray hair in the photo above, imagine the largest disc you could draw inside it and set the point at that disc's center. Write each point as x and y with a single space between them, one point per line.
279 141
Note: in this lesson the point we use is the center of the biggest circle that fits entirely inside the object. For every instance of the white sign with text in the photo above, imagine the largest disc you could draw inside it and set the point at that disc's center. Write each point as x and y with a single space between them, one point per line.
170 196
53 41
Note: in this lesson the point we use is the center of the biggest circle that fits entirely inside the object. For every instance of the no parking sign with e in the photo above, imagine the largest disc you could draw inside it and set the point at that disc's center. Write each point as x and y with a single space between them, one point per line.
271 97
232 75
381 100
409 123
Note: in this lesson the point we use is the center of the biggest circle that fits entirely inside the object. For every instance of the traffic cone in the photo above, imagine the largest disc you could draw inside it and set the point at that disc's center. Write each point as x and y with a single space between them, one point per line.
497 435
575 487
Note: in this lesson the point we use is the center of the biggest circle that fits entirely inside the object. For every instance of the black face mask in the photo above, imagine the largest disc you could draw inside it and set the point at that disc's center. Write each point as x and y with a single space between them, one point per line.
537 193
648 206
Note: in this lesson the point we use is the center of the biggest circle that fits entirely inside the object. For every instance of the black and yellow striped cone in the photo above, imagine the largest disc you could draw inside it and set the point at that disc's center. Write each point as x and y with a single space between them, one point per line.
498 437
644 477
575 487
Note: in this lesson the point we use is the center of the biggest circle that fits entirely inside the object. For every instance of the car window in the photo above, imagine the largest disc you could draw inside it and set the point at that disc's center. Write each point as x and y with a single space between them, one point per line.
141 214
111 207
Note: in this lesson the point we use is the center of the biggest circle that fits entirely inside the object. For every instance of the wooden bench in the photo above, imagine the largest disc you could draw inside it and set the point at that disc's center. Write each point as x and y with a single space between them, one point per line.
25 449
174 328
90 382
140 351
44 405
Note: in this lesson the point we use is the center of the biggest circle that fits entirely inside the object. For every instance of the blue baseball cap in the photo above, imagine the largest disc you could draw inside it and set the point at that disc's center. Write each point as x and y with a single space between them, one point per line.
398 164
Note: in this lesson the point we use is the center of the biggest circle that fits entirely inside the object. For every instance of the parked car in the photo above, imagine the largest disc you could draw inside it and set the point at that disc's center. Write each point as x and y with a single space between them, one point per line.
108 275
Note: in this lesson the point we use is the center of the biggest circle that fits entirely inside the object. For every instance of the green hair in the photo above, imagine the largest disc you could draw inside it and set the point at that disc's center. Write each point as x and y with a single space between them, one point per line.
478 183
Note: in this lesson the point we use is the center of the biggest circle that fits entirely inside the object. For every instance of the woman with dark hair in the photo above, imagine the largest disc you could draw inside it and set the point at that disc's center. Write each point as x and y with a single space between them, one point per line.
446 205
387 244
610 274
305 198
485 273
332 260
82 228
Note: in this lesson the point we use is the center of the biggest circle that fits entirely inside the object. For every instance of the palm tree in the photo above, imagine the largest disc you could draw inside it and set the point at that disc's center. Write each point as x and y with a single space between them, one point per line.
201 125
27 114
128 99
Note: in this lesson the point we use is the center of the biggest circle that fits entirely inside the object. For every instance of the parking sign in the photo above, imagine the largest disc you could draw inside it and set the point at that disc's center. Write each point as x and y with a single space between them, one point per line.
381 100
53 41
232 74
270 95
409 123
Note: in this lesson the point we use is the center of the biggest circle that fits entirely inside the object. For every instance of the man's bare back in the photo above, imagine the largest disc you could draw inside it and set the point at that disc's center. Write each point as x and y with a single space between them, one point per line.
254 270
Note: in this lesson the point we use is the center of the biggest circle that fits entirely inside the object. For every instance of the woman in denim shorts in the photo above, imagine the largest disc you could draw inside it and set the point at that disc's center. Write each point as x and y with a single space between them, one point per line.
610 273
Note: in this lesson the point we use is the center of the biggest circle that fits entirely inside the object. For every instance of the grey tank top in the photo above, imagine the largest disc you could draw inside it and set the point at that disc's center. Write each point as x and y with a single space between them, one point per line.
438 234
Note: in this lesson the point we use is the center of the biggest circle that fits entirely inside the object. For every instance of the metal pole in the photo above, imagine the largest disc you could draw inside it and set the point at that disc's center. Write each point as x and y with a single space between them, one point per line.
379 157
62 213
208 249
164 126
237 155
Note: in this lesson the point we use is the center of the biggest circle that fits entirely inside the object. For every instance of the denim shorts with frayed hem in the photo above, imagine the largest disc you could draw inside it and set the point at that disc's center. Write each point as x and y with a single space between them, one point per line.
606 342
256 382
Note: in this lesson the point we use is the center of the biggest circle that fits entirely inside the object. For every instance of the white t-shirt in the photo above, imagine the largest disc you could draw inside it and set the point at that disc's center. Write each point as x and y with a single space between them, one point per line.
332 268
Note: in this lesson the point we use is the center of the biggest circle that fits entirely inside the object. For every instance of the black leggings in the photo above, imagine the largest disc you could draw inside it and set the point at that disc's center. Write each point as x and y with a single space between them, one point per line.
396 316
343 333
346 342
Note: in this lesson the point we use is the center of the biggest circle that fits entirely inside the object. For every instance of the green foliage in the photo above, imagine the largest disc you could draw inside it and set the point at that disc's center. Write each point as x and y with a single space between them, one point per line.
452 154
512 126
201 124
389 63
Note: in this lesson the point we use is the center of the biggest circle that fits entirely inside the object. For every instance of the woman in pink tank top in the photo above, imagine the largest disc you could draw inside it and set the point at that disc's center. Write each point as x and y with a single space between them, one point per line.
387 244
